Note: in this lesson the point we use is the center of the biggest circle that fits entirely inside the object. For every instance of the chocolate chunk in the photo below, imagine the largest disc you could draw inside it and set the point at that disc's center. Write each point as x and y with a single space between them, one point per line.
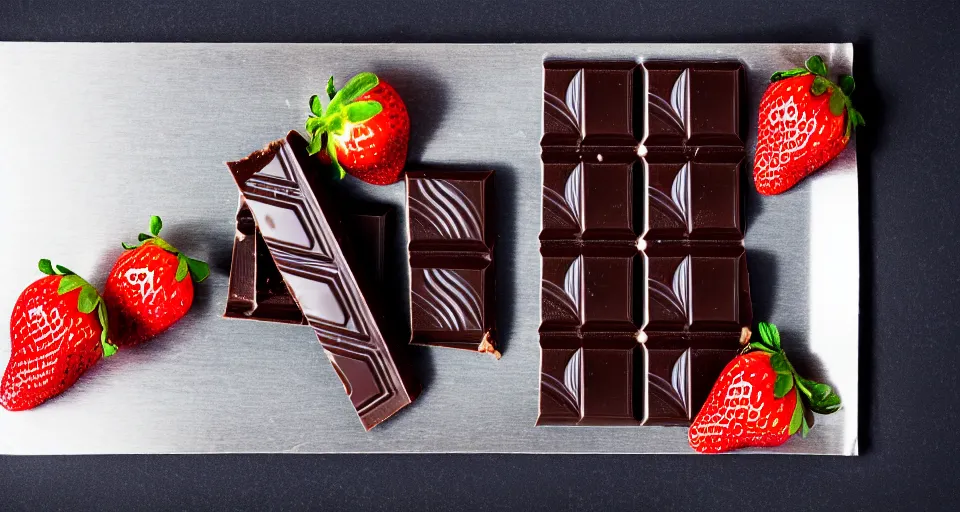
645 290
451 259
303 234
256 288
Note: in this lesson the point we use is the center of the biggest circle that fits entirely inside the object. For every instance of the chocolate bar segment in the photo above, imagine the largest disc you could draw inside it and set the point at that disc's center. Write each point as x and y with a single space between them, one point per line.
644 291
588 106
300 229
256 288
693 105
451 259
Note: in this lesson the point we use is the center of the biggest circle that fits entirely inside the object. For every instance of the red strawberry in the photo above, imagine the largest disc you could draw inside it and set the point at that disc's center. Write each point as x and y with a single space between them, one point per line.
58 329
805 121
758 400
147 290
364 131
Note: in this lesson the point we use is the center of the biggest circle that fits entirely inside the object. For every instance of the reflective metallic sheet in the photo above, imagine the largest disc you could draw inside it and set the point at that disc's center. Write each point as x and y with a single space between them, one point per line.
96 137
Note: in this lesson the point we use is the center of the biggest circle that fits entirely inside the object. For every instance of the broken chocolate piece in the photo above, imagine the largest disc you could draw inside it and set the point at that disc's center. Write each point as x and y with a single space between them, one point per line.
451 259
300 229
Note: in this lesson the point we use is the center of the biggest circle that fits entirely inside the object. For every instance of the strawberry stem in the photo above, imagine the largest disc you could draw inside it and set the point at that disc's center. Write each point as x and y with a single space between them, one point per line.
342 111
839 94
820 398
197 269
87 301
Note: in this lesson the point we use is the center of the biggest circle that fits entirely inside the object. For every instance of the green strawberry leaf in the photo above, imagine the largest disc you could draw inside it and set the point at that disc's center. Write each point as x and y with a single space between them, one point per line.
331 89
356 87
805 427
770 335
797 420
314 125
69 283
88 300
855 117
826 404
363 111
143 237
155 225
316 144
761 346
109 349
334 124
820 397
782 385
820 392
129 246
837 102
816 65
183 268
847 84
820 86
332 151
46 267
315 105
199 270
163 244
780 75
64 271
780 364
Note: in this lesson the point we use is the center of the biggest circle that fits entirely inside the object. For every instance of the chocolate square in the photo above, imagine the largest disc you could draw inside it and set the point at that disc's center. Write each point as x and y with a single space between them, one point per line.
589 105
563 208
610 382
608 208
607 292
693 200
694 104
449 210
696 288
562 292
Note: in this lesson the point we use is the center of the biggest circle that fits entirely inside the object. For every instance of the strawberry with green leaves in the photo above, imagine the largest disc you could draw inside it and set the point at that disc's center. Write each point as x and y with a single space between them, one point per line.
58 330
364 130
759 400
805 121
150 287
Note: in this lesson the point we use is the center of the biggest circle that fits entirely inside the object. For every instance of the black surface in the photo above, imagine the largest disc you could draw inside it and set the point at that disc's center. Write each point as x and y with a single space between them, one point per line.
905 68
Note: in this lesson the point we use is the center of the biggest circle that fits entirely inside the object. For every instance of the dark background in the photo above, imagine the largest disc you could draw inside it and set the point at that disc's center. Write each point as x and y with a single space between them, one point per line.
907 76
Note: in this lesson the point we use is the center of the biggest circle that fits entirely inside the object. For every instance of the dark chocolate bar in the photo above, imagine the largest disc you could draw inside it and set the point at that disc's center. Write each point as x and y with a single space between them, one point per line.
645 294
304 237
451 259
256 288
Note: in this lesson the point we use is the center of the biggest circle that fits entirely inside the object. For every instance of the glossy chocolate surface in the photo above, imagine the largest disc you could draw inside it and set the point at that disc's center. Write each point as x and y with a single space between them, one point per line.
303 234
644 277
256 288
451 259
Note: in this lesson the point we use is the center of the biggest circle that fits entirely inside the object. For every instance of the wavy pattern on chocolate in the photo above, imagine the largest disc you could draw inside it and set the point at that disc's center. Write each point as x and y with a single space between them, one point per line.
677 296
567 110
305 248
672 111
566 208
449 300
677 204
672 393
567 392
445 210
